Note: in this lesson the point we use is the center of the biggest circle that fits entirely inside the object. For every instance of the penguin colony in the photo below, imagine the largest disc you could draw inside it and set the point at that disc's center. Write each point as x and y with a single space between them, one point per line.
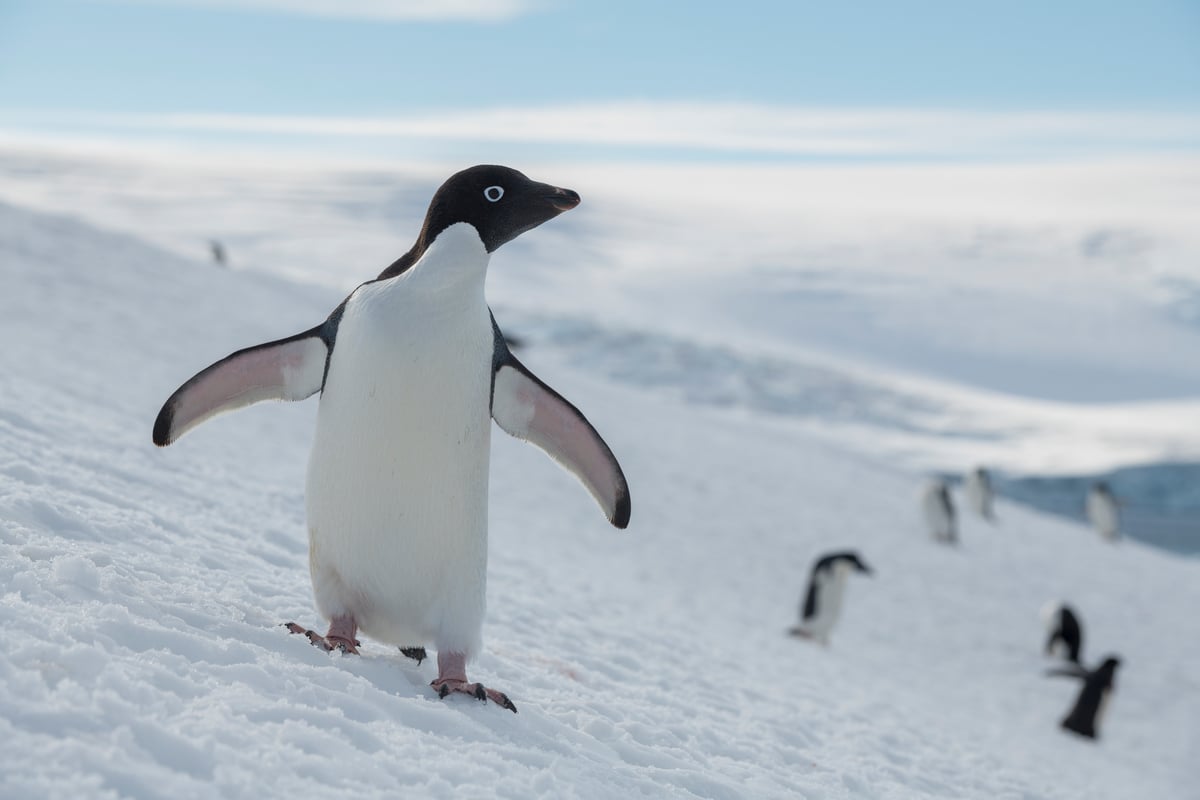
822 601
411 369
1064 628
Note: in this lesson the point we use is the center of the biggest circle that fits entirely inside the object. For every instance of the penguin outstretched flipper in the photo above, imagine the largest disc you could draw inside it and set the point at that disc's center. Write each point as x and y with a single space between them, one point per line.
1069 671
528 409
286 369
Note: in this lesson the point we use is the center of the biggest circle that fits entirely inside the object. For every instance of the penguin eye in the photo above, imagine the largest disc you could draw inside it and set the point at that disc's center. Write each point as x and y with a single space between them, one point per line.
493 193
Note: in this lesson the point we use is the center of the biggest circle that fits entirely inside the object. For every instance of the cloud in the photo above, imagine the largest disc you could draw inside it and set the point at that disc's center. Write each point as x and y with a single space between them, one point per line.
724 129
394 10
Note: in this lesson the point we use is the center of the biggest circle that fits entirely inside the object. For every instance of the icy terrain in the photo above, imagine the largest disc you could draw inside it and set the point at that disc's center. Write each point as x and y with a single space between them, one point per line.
1041 319
141 590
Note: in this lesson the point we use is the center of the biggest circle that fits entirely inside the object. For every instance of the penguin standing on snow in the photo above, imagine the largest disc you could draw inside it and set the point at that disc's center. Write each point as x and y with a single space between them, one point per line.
823 600
1088 712
938 509
1103 511
412 369
1066 632
978 488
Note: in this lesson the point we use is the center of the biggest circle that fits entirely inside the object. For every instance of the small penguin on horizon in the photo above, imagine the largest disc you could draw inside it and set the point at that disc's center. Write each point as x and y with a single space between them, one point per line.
977 485
1065 631
1086 715
219 256
1103 511
412 369
938 510
823 599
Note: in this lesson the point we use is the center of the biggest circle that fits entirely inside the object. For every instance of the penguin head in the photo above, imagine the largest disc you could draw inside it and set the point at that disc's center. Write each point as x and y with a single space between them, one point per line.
499 202
858 564
844 561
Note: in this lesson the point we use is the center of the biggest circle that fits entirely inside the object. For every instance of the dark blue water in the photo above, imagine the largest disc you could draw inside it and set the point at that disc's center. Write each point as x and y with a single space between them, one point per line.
1160 503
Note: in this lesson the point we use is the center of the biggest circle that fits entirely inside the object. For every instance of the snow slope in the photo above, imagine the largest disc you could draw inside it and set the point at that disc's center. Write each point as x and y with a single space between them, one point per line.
1039 318
141 591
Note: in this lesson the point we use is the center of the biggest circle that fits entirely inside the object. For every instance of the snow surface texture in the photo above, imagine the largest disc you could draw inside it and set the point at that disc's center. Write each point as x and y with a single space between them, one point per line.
141 592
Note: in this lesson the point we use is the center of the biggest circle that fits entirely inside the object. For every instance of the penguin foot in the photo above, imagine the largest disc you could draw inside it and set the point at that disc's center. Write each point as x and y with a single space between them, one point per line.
446 686
329 642
415 653
452 677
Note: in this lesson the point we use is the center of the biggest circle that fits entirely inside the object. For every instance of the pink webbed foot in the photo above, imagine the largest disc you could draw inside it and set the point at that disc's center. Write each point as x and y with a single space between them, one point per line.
340 637
452 678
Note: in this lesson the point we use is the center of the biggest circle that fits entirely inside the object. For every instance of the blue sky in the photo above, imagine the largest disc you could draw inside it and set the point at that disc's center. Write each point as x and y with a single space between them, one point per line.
70 65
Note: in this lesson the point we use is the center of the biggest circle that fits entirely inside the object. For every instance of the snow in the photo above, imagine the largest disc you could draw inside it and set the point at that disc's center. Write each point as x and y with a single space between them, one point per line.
142 590
1035 317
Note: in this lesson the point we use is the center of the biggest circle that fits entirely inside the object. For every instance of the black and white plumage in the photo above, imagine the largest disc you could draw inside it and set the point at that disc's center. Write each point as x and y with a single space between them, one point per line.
412 369
938 510
1086 715
1103 511
1065 631
977 486
823 599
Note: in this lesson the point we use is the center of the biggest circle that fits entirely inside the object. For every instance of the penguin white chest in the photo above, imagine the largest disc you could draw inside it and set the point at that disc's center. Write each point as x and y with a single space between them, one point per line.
398 476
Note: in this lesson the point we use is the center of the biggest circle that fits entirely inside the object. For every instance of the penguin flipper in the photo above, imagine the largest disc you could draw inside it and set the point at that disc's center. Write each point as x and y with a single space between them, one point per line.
1069 671
528 409
286 369
810 600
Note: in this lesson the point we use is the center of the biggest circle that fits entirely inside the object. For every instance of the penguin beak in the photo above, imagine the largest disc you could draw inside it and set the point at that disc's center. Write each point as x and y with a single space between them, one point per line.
562 199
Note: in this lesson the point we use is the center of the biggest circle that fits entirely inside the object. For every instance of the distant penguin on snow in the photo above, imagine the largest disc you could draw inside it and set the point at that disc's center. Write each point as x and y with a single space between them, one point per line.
1065 631
1098 684
1103 511
823 599
412 369
938 509
978 488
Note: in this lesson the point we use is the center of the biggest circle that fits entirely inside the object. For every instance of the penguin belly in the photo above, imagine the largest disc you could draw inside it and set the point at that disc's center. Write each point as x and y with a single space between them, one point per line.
829 608
398 476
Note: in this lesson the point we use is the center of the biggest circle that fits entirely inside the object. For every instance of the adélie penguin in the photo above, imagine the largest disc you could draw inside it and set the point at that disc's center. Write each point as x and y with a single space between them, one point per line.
1103 511
411 369
977 486
823 599
938 510
1065 631
1086 715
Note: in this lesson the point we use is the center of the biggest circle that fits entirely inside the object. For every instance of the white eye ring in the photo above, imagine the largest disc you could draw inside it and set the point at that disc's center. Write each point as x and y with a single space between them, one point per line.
493 193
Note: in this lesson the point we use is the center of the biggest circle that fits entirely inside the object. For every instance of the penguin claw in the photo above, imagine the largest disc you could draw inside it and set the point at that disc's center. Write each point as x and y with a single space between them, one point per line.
476 690
328 644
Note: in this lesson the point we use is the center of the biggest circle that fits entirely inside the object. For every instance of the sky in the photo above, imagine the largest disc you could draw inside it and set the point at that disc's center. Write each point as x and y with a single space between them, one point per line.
754 80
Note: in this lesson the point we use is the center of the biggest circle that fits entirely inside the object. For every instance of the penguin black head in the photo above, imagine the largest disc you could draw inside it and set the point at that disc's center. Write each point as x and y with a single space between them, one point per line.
848 557
858 564
499 202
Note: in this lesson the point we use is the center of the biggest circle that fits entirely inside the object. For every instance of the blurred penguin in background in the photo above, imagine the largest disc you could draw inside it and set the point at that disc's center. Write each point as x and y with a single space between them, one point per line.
978 487
823 600
1103 511
938 509
1088 712
219 256
1065 638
